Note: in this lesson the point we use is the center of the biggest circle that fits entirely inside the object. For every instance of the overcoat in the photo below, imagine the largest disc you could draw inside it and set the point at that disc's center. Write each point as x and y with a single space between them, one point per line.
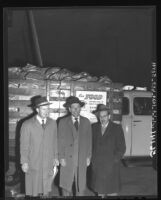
107 150
67 136
38 148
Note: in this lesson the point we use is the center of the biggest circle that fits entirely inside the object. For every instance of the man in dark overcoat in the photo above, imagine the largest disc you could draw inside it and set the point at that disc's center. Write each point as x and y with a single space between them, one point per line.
107 150
74 148
38 150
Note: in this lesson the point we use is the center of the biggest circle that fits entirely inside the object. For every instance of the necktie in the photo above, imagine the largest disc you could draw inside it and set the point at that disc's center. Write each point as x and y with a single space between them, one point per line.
76 123
103 128
43 124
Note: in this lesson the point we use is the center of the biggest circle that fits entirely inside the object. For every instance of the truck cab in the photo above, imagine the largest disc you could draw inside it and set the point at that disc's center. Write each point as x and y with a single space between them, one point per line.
137 122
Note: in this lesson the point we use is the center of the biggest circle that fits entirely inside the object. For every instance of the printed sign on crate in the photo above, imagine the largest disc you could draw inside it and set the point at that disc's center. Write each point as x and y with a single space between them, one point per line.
91 99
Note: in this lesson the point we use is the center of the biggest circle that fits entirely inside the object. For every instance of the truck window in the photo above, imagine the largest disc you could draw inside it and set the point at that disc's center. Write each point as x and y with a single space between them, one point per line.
125 106
142 106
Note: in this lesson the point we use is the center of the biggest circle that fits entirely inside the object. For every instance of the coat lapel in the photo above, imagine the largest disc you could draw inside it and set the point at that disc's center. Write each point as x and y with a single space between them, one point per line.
99 129
107 131
38 125
36 122
81 127
73 130
47 122
81 123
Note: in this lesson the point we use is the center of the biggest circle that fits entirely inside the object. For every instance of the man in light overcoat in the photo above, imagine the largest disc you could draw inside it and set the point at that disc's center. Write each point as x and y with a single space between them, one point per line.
74 148
38 150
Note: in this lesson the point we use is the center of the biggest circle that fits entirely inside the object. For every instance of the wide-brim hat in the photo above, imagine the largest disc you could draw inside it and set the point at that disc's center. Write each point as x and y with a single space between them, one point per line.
72 99
38 101
101 107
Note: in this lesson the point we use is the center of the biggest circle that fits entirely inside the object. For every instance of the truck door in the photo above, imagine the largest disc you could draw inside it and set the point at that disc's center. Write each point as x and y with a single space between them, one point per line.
141 125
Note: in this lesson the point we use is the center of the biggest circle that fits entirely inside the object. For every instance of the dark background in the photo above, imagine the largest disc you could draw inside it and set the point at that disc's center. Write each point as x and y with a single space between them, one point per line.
115 41
119 42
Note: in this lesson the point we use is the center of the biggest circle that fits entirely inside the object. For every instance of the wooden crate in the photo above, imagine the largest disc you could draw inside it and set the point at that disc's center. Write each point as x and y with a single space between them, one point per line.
56 84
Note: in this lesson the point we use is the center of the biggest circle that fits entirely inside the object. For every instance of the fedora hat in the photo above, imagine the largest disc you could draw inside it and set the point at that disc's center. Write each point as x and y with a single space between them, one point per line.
38 101
101 107
72 99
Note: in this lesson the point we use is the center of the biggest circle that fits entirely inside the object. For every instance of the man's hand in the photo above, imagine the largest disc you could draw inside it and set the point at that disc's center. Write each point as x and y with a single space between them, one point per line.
25 167
63 162
56 162
88 162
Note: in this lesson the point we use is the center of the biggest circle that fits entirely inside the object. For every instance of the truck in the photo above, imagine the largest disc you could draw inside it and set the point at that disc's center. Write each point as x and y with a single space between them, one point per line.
57 84
137 122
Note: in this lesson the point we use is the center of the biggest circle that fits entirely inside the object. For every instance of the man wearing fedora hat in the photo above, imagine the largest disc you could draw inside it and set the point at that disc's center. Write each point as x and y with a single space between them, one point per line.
108 149
74 149
38 149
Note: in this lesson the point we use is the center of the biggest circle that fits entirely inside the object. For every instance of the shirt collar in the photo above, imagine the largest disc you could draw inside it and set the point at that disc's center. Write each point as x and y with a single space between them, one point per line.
73 119
40 119
105 125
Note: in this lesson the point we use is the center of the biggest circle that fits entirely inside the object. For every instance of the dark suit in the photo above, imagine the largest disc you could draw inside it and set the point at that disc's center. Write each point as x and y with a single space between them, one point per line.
75 147
106 154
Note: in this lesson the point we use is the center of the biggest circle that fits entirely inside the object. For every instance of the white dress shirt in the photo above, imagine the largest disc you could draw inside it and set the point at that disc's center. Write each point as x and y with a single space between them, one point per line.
40 119
73 119
103 128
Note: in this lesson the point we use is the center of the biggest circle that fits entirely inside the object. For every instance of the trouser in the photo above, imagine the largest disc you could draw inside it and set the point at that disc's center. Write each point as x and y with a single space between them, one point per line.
74 191
67 193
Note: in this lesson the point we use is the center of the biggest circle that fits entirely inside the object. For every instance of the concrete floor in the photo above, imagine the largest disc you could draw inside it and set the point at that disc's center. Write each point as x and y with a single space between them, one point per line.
139 180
